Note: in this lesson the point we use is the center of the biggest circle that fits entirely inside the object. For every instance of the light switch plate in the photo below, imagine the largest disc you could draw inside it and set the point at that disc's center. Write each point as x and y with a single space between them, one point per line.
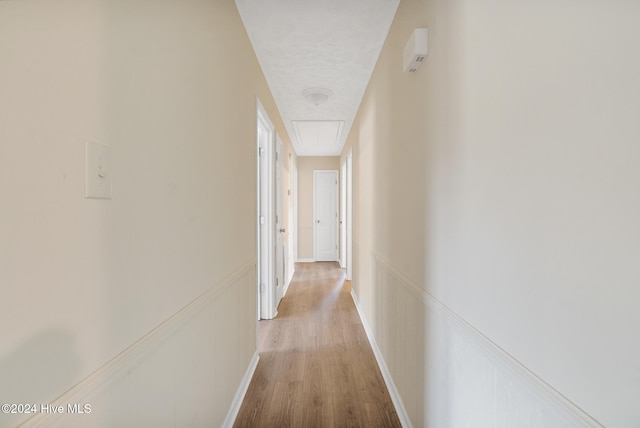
98 171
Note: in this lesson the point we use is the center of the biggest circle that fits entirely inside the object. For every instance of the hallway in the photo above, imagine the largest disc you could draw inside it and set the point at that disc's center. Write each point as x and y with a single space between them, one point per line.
316 366
492 201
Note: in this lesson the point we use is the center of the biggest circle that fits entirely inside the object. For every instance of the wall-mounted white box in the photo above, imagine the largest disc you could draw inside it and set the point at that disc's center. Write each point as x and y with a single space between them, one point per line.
416 50
98 171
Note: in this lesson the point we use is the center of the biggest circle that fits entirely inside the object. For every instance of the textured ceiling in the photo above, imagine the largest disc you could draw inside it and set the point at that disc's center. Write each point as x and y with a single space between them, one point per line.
332 44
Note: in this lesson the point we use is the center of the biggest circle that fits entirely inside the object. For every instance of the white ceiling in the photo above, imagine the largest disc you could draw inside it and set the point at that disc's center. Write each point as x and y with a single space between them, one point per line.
330 44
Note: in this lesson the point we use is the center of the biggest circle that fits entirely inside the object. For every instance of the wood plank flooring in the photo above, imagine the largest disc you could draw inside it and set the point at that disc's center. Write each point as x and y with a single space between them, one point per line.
316 366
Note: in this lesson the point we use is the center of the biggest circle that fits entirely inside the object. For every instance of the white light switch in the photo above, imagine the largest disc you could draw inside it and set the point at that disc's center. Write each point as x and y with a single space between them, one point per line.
98 171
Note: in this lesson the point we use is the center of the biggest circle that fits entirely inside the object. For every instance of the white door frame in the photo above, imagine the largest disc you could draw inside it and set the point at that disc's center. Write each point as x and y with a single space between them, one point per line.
350 215
343 214
315 213
265 215
294 228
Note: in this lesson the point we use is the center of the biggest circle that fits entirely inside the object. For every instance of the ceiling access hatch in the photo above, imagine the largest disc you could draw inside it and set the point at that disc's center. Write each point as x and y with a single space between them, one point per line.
318 137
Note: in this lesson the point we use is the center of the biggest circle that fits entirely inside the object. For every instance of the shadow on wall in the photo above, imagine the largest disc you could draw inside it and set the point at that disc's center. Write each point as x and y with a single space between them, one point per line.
37 371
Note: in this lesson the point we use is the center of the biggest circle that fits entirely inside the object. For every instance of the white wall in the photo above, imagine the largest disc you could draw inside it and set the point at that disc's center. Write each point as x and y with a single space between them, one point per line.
171 88
501 182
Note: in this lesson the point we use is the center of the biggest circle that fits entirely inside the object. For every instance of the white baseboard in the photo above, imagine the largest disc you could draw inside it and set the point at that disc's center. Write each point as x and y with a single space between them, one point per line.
393 391
305 261
242 391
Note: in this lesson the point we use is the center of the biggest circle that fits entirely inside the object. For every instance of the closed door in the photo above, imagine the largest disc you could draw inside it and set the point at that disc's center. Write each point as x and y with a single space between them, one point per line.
325 197
280 230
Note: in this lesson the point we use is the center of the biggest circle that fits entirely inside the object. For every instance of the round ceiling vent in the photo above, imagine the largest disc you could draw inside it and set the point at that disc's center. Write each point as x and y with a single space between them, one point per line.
316 96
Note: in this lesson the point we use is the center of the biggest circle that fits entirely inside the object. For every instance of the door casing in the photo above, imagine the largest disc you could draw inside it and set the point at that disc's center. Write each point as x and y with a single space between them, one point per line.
265 215
343 215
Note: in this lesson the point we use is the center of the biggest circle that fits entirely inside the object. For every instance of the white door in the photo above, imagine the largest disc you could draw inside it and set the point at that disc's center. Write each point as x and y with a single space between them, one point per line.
280 229
343 215
325 207
291 232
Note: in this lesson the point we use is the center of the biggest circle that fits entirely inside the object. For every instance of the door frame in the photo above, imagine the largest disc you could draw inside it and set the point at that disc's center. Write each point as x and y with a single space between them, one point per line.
315 211
265 217
342 224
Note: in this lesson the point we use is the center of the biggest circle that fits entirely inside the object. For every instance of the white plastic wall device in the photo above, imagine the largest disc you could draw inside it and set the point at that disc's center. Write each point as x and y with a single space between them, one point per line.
416 50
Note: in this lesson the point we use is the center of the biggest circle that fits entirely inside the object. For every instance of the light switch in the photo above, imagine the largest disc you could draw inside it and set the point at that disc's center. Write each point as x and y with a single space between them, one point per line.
98 171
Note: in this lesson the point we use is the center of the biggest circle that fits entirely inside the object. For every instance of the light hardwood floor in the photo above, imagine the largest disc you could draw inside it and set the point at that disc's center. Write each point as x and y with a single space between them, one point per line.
316 366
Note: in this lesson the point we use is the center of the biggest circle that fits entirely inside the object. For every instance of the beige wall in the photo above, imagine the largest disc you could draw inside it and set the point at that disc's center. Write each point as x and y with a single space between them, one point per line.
499 185
306 166
171 88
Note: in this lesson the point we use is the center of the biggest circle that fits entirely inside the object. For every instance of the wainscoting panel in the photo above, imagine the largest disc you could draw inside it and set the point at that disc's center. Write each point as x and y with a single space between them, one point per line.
185 372
445 373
